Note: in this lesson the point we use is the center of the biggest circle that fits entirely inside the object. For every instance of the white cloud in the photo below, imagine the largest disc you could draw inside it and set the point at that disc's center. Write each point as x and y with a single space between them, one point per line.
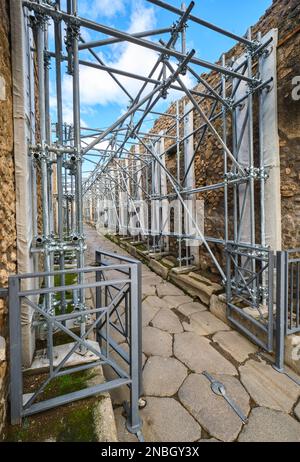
98 88
102 8
110 8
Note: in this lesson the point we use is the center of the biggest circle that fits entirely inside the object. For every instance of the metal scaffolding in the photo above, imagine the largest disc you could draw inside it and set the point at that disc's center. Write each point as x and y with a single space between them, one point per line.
131 183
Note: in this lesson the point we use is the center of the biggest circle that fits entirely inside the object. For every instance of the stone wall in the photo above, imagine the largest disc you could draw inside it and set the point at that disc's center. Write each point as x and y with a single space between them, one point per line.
8 260
285 16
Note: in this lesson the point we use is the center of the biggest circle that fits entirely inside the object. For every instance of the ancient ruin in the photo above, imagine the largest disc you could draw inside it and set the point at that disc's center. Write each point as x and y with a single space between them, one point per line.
150 266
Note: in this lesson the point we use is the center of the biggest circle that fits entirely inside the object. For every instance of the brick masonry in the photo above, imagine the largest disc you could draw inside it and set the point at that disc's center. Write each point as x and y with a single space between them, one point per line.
8 258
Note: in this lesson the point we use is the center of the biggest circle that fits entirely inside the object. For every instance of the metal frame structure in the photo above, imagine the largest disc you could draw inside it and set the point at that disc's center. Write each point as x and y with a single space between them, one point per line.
111 312
132 170
135 178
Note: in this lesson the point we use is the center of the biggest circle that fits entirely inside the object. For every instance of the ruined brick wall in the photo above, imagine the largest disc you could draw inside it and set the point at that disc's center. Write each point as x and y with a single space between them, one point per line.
8 261
285 16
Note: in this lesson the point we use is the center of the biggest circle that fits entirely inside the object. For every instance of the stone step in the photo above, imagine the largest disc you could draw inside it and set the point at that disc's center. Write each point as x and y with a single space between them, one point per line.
196 287
40 363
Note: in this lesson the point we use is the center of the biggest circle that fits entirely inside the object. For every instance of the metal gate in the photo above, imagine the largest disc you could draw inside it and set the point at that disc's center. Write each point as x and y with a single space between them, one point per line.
288 302
249 292
114 306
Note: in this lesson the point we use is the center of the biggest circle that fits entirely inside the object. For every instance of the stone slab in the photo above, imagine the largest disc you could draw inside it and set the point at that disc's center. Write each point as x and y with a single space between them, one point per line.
41 362
191 308
199 356
196 287
211 411
177 279
174 301
163 376
169 262
168 321
156 302
218 308
152 279
156 342
149 311
183 269
200 278
160 269
165 420
268 425
269 388
166 288
208 323
148 290
235 344
193 326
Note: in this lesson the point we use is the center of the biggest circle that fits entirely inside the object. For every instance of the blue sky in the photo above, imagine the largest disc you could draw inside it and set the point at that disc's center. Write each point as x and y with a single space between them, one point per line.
102 101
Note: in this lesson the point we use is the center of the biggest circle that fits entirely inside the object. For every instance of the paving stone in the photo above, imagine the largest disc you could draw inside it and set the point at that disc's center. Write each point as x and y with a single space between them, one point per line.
268 425
191 308
193 326
121 394
166 288
212 411
163 376
297 411
208 323
148 290
157 302
203 290
235 344
168 321
152 279
175 301
199 356
165 420
123 434
149 311
267 387
156 342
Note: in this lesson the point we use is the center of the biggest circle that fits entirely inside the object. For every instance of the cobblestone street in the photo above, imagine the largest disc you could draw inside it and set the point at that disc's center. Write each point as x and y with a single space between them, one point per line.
181 341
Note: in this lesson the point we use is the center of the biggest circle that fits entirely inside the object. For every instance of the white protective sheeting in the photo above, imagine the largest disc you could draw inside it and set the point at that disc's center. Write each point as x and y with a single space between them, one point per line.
270 143
23 102
190 182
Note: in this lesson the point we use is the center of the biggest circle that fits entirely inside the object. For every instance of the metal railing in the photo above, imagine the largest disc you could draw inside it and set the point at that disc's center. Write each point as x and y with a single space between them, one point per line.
115 293
288 300
249 289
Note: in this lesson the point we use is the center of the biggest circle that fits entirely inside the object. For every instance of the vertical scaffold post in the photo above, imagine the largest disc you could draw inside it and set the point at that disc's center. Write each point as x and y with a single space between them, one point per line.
134 422
280 310
15 338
